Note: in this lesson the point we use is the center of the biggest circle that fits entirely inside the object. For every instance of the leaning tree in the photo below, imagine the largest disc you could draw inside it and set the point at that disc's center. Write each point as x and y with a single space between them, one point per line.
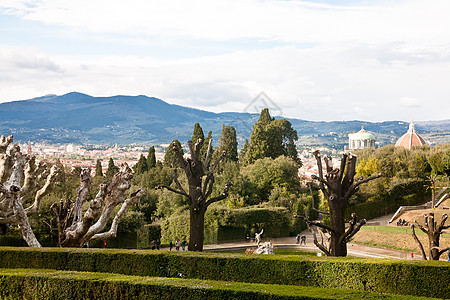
200 188
90 225
338 186
433 229
23 184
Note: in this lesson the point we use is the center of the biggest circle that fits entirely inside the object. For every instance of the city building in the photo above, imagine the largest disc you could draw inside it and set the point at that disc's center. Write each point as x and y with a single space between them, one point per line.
361 139
410 139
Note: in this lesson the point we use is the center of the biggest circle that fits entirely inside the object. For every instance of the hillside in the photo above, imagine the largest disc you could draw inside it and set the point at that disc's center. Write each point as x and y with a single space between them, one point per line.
80 118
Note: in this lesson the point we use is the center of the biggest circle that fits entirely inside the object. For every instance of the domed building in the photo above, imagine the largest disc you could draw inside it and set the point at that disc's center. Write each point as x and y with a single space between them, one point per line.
361 139
410 139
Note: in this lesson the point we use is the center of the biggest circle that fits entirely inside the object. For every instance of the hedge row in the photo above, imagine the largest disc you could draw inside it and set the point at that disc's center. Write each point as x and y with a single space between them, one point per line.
383 276
49 284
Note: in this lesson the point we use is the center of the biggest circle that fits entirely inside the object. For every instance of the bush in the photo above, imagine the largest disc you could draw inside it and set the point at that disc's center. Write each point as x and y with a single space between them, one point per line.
48 284
381 276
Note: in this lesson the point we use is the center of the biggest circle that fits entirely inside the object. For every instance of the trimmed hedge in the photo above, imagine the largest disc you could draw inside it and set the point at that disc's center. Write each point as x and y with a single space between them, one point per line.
48 284
383 276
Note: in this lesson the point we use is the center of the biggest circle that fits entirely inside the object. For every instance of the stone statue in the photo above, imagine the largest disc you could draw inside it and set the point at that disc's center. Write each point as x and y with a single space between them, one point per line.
258 237
266 248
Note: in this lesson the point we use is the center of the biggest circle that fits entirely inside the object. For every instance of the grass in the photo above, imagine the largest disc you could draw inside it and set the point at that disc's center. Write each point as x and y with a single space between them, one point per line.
395 237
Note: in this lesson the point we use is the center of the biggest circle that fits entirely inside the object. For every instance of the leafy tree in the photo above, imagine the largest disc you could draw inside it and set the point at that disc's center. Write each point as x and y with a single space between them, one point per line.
112 168
244 151
151 158
271 138
98 169
228 142
439 159
141 166
197 133
170 158
267 173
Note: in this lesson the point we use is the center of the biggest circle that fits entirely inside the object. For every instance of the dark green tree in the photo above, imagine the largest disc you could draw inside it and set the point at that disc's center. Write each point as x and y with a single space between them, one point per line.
112 168
170 158
271 138
244 151
197 133
141 166
228 142
151 158
98 169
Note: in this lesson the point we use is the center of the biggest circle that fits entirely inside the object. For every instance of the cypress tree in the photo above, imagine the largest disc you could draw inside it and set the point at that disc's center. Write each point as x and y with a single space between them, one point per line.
151 158
197 133
98 169
228 142
112 168
170 159
141 166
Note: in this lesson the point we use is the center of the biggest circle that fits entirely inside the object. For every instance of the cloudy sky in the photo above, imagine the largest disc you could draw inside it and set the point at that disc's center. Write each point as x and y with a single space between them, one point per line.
315 59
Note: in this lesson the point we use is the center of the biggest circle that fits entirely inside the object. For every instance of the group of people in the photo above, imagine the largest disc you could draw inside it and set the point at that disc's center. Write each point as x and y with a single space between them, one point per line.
401 222
178 244
301 239
157 244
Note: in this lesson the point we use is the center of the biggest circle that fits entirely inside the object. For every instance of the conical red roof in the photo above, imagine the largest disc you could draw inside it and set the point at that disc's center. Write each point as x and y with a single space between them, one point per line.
410 139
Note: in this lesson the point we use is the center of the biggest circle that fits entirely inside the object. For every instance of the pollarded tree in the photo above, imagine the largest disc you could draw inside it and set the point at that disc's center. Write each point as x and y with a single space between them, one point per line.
338 187
201 180
89 226
433 229
23 184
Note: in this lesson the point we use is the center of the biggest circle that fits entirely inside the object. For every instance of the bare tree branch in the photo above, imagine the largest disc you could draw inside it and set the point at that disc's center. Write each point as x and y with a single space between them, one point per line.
172 190
321 225
208 153
175 179
413 232
222 196
353 188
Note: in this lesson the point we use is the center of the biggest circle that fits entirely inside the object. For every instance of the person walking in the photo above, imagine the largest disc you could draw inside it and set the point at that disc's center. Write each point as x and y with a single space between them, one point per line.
303 239
158 244
153 244
298 238
177 244
183 244
170 245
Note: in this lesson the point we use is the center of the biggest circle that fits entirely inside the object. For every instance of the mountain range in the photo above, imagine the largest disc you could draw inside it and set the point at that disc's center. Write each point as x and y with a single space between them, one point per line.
83 119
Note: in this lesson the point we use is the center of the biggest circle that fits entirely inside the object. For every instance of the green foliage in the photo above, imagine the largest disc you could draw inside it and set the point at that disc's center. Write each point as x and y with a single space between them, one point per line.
112 169
98 168
266 174
439 159
52 284
197 133
407 278
175 227
141 166
271 138
228 142
147 234
243 151
151 158
170 159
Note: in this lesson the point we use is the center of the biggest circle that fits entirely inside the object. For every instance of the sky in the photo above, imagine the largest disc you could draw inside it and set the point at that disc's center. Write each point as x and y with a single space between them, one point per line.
315 60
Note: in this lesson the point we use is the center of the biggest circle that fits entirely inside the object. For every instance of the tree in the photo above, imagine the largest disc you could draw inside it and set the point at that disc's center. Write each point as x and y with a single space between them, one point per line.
112 168
89 226
23 184
170 158
433 229
338 187
197 133
271 138
228 142
98 169
199 190
151 158
141 166
244 151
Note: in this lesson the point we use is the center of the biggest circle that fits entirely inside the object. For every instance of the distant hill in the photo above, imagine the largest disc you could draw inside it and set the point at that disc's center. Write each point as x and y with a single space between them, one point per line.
83 119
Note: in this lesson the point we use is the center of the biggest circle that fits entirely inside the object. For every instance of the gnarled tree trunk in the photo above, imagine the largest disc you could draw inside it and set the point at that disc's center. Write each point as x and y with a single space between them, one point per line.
199 189
433 229
338 187
17 200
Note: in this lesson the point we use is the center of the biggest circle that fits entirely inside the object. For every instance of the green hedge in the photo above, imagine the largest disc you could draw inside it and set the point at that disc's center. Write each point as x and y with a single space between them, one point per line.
147 234
48 284
383 276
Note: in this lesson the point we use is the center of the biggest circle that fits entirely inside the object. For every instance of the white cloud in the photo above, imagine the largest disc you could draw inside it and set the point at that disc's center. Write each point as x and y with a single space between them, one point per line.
409 102
291 21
